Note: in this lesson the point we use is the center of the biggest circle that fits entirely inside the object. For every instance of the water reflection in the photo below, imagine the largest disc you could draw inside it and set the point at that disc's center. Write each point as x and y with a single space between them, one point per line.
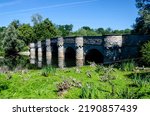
18 62
13 63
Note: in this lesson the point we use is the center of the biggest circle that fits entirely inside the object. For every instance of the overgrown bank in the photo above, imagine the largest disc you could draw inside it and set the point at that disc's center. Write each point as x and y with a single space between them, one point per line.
81 83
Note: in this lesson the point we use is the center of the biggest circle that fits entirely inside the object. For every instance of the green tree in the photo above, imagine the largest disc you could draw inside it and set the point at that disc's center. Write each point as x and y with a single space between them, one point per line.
80 32
11 43
100 31
36 19
108 31
145 51
85 31
16 24
127 31
87 28
44 30
1 37
142 25
65 29
25 33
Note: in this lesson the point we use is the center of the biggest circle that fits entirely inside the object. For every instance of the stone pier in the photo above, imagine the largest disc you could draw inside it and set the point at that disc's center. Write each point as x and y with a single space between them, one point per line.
32 53
99 49
39 45
60 44
48 52
79 51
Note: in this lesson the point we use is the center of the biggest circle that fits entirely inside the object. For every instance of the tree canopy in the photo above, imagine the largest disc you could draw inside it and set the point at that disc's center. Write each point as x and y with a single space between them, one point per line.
17 35
142 25
11 43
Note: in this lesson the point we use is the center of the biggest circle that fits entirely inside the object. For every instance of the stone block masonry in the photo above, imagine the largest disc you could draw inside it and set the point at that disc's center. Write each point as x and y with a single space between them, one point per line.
99 49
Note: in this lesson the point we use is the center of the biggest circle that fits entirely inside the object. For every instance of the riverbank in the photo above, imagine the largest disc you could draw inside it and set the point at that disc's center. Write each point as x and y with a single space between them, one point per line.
75 83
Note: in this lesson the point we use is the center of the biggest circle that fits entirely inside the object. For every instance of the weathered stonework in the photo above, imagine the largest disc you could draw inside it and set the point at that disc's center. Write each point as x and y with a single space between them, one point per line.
111 48
79 51
48 52
60 45
39 45
32 53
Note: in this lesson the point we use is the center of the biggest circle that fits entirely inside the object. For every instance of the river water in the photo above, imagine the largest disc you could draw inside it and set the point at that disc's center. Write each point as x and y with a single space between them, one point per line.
21 62
15 63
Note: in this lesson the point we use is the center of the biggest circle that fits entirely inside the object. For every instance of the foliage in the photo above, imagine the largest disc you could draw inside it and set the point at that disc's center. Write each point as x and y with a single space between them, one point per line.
1 37
36 19
145 51
44 30
105 72
89 92
14 62
67 84
16 24
129 94
25 33
140 79
33 85
85 31
11 43
65 30
142 25
128 65
46 71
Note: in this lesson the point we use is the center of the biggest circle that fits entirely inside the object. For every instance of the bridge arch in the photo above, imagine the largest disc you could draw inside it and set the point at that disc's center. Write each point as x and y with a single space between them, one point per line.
94 55
70 57
54 49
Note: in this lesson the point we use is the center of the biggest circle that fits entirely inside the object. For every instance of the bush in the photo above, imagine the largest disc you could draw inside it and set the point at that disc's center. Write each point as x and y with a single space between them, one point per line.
105 72
145 51
48 70
11 43
128 66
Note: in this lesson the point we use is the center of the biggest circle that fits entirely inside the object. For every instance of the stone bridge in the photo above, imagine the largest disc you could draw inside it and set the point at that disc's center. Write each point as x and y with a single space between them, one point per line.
71 51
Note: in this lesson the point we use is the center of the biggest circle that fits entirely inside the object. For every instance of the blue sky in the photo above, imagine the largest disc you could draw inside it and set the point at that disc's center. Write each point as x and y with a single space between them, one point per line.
116 14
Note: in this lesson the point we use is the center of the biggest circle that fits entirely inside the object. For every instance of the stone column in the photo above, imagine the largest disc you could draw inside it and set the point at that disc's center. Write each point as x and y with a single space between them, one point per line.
32 53
39 45
60 44
48 52
79 51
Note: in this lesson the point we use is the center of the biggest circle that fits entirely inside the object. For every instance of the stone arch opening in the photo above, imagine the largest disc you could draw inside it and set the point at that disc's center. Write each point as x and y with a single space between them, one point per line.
94 55
70 57
54 49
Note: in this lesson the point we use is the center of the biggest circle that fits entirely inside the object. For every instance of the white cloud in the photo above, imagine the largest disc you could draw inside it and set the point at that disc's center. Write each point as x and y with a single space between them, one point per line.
13 2
50 6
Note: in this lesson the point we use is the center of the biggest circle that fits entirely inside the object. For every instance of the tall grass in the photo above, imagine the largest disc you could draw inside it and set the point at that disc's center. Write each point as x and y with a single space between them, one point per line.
128 65
48 70
89 91
140 79
105 73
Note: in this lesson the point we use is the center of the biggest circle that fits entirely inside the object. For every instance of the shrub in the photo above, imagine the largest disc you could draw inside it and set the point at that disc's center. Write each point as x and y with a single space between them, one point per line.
105 72
145 52
48 70
128 66
140 79
11 43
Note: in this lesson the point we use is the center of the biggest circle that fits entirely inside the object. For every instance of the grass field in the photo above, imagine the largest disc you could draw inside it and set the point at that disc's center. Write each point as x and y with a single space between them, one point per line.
88 82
